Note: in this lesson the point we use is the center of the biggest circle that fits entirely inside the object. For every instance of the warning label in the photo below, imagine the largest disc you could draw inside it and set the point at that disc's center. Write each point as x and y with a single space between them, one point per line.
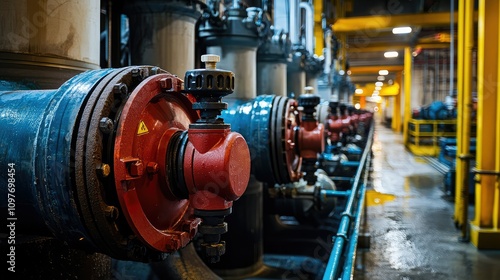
143 129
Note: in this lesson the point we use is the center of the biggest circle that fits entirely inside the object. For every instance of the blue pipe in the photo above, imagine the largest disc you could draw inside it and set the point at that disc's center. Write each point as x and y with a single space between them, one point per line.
332 268
353 241
256 120
335 193
37 130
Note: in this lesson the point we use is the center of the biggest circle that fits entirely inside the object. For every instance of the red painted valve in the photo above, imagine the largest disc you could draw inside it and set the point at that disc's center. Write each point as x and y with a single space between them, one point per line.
170 164
310 138
334 123
216 161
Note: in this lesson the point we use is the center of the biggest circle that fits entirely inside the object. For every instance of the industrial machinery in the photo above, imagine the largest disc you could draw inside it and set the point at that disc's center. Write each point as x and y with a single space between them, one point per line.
140 165
122 162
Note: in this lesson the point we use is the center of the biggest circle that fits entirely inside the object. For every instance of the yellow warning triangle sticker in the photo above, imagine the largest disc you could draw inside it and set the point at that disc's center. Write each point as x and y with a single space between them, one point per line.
143 129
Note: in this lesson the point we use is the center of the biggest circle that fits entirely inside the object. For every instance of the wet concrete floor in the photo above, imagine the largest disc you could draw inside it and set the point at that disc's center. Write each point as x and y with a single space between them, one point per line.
413 235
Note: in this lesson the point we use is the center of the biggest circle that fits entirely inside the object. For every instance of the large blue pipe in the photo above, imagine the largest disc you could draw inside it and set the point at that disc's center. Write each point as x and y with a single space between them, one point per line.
37 134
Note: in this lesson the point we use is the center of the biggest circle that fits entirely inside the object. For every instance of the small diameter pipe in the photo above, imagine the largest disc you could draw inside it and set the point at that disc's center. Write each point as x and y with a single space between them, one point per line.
340 239
309 23
334 193
353 242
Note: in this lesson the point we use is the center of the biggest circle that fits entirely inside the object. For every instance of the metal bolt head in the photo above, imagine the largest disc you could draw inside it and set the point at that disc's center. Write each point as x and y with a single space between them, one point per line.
210 60
103 169
120 89
152 167
111 212
106 125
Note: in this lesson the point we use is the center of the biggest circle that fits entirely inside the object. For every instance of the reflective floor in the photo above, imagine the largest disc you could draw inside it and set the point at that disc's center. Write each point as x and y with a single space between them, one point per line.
410 222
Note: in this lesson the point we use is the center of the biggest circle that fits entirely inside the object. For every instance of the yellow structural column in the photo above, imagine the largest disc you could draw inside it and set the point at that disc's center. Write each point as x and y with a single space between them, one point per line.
485 233
407 89
460 67
318 28
396 108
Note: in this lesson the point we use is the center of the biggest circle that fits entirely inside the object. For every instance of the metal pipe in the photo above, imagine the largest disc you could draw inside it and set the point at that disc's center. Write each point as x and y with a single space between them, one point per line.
162 33
281 16
46 42
309 23
335 193
340 239
353 241
328 52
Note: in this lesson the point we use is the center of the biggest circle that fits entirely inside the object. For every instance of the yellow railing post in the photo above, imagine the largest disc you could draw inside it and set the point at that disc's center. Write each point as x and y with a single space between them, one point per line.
485 233
407 89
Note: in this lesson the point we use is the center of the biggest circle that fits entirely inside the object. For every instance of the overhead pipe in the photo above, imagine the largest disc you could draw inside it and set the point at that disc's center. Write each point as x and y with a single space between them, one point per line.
309 26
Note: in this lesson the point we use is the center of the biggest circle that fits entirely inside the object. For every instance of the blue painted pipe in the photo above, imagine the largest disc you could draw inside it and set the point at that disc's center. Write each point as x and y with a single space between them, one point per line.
335 193
353 240
256 120
37 131
353 203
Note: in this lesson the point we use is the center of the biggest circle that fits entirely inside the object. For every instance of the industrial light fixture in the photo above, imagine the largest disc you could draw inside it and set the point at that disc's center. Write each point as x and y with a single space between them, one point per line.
383 72
358 91
378 88
401 30
379 84
391 54
381 78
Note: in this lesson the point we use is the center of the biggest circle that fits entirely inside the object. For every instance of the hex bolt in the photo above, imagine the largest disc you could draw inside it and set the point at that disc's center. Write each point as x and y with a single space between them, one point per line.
103 169
111 212
152 167
210 60
106 125
120 89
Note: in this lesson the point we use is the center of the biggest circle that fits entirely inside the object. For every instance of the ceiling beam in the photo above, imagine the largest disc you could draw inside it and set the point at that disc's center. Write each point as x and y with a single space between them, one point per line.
396 47
371 23
357 70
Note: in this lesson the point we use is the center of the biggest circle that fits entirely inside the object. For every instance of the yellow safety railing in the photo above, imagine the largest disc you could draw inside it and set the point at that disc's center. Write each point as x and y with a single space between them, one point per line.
423 135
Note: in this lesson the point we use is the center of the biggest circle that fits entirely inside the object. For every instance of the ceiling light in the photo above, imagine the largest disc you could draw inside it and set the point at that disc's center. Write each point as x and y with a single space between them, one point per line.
401 30
341 72
357 106
381 78
391 54
379 84
383 72
358 91
378 88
